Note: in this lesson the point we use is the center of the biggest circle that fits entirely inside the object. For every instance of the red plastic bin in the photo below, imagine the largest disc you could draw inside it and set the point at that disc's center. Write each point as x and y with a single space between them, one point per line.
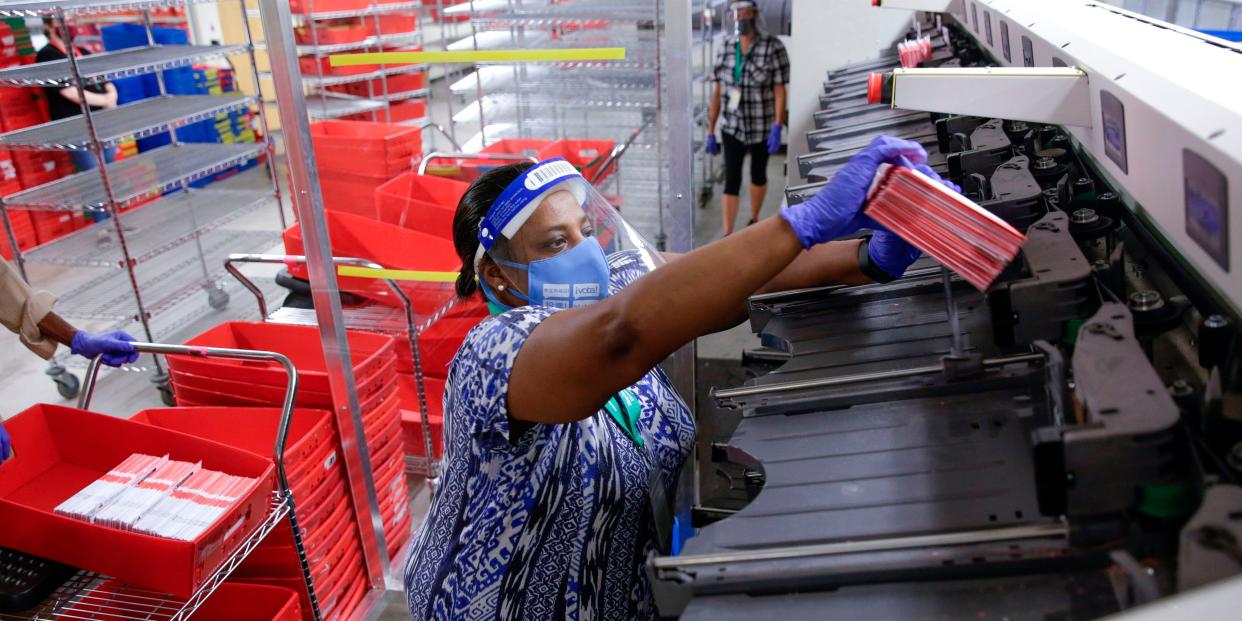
350 194
368 353
365 149
393 23
412 420
326 6
64 449
232 601
387 245
330 34
312 66
250 429
367 386
587 156
407 110
469 169
423 203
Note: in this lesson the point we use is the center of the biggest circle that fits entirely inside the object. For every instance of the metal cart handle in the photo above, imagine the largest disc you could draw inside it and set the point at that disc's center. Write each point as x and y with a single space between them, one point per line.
447 136
502 157
413 329
286 409
618 151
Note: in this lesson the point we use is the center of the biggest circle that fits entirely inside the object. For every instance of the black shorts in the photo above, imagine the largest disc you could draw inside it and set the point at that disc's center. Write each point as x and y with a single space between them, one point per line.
734 152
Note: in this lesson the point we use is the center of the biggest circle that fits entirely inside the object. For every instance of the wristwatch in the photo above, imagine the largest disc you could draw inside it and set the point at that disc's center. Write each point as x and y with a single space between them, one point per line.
867 267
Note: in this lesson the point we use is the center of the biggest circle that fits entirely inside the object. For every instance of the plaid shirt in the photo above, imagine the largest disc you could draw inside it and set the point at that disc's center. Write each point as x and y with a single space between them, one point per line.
767 65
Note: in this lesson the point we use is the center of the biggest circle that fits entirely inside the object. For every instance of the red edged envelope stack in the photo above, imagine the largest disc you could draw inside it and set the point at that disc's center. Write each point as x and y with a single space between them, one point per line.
950 227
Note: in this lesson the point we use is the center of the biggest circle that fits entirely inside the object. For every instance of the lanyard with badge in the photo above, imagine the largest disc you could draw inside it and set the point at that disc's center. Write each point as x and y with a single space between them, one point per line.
735 89
625 410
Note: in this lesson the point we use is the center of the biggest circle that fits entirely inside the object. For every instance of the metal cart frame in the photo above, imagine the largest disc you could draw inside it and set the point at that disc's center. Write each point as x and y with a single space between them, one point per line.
148 605
413 330
105 127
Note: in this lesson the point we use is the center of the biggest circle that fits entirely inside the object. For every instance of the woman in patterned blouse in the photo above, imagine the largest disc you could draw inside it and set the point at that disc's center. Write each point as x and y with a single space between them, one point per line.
544 505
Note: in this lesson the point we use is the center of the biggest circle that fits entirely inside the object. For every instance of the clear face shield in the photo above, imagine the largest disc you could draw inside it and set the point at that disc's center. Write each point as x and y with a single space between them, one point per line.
558 241
745 15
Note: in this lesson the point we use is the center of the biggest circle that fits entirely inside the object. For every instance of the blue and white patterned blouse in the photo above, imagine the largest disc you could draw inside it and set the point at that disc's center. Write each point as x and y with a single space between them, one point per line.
558 525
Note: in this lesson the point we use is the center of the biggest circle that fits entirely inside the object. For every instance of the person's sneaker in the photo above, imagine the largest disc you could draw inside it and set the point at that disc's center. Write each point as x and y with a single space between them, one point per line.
752 221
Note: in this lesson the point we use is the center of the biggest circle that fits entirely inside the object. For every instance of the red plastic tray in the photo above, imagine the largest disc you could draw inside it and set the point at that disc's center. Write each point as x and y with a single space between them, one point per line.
311 432
330 34
324 6
394 24
423 203
439 344
368 352
411 418
364 148
352 598
310 68
64 449
232 601
469 169
408 110
391 246
586 155
367 386
294 585
402 532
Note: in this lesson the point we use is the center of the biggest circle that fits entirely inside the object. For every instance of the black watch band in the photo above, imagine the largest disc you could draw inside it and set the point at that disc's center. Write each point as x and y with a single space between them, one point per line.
867 267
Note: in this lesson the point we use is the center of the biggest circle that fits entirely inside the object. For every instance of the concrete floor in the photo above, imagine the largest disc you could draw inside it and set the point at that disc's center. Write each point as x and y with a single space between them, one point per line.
728 345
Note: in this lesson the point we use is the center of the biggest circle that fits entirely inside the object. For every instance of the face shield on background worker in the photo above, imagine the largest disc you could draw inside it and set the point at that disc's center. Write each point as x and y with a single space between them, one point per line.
553 236
745 15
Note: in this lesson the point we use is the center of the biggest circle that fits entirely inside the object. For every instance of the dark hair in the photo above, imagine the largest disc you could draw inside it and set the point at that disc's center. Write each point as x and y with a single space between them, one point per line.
470 211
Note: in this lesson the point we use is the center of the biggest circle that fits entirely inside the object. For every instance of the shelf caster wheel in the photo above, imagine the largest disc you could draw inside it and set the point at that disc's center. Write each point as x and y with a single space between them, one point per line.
67 384
166 395
217 298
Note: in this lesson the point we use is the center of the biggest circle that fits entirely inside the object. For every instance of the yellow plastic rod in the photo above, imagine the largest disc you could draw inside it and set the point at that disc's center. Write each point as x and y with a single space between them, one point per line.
402 275
479 56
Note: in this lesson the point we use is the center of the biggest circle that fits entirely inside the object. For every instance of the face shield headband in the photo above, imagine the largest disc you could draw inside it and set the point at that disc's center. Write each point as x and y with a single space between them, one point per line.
574 278
523 196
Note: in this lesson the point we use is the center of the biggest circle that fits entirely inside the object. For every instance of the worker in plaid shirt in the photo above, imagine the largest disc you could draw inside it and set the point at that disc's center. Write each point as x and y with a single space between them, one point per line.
750 74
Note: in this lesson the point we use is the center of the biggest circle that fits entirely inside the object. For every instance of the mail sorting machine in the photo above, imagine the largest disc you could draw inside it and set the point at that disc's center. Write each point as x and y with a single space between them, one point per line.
1055 447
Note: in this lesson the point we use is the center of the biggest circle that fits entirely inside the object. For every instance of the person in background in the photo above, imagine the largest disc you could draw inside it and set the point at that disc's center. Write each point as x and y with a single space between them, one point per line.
750 74
64 102
28 313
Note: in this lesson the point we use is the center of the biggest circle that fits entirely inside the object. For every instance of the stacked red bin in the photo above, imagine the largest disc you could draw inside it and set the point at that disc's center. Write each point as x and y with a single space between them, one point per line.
322 500
356 157
212 382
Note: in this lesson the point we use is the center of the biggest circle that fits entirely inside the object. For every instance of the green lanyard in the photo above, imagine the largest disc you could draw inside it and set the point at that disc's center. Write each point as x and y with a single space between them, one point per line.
739 61
625 410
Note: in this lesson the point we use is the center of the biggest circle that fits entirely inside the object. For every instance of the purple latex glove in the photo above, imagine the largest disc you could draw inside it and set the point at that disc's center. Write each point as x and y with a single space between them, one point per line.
837 209
713 147
890 252
774 138
114 348
6 448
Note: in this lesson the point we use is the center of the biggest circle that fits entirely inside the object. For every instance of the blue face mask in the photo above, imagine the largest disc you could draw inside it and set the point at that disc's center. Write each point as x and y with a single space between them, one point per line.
575 278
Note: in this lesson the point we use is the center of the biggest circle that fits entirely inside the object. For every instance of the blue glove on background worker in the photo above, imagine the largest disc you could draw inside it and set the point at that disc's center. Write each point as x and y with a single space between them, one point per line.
4 444
713 147
774 138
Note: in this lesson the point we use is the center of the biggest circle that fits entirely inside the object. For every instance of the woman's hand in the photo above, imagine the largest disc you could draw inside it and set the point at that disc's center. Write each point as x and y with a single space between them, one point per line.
837 209
892 253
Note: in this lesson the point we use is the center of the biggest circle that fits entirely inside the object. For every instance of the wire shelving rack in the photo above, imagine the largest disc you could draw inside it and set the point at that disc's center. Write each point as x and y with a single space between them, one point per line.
128 287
